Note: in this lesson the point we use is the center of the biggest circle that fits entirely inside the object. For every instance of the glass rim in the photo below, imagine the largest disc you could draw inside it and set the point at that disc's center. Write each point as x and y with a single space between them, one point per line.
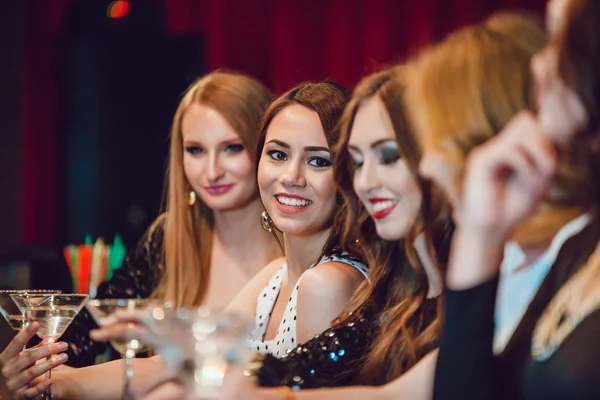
30 291
42 294
116 301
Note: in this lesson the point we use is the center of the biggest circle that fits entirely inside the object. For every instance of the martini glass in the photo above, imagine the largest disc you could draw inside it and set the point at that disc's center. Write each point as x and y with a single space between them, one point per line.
100 309
54 313
200 344
9 310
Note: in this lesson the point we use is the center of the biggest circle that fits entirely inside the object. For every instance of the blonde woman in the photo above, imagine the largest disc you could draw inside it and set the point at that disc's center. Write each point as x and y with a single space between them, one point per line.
536 185
209 242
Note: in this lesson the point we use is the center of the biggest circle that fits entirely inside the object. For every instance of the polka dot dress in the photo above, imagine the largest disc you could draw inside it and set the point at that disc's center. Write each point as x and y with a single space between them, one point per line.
285 338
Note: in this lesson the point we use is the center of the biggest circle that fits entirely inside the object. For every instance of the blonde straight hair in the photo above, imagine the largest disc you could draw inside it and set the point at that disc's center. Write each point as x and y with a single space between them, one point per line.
464 90
188 230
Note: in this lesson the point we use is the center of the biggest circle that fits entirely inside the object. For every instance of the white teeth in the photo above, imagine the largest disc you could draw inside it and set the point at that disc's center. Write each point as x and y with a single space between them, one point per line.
382 205
293 202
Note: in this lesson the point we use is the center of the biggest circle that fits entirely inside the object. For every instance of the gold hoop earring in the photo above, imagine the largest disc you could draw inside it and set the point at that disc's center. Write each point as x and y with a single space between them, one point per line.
266 222
192 199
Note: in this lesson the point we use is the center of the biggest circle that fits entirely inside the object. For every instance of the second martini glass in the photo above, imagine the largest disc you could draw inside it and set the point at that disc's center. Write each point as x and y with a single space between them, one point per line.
11 312
100 309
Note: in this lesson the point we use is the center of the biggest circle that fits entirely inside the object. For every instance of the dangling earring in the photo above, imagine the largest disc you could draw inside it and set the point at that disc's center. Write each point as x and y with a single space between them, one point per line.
192 199
265 222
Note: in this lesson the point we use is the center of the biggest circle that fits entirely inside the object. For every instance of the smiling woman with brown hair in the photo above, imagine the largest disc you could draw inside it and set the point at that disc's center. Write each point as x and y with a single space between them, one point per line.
297 297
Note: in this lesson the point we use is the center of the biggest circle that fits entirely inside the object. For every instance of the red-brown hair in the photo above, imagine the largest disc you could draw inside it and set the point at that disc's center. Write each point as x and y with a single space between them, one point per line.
399 284
188 231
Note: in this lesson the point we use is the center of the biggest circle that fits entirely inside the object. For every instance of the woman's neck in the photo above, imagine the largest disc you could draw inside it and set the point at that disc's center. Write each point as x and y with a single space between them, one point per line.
430 265
301 252
239 233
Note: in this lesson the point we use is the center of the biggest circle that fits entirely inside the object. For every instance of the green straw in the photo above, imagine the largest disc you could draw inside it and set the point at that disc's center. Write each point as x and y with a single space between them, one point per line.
116 256
75 267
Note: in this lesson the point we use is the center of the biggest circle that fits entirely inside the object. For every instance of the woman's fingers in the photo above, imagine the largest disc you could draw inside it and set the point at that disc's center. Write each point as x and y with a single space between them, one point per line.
28 375
123 316
19 341
31 356
127 331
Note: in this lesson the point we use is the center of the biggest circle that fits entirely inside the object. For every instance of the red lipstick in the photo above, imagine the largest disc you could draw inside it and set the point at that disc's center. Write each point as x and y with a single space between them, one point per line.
381 214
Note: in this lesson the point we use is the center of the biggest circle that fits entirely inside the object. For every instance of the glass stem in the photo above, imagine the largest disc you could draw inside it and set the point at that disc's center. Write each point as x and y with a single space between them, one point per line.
129 356
47 395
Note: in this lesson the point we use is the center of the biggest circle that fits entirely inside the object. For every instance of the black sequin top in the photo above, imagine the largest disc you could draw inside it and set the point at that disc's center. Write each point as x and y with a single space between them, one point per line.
137 278
332 358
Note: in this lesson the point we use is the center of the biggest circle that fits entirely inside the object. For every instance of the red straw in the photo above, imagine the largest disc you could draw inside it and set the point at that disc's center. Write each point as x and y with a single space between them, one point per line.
85 262
67 255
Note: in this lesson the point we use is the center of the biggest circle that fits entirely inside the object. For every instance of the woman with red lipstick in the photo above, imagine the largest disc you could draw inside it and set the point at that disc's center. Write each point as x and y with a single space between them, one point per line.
207 245
297 297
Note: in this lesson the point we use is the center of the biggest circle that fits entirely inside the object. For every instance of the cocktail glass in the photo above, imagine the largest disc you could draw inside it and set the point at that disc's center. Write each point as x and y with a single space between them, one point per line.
200 344
54 313
12 313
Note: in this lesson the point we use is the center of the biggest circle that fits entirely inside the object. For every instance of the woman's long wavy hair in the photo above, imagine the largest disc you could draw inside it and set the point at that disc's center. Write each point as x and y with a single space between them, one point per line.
188 230
399 283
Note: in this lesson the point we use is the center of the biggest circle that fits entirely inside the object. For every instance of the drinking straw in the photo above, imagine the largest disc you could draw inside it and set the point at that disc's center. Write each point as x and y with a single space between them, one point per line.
104 263
96 266
67 254
75 267
116 256
85 261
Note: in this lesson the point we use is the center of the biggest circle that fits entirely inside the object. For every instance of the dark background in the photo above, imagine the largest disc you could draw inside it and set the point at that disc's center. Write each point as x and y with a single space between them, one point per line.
87 101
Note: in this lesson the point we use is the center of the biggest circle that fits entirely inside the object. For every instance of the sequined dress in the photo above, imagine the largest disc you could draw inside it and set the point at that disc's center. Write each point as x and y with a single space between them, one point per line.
332 358
137 278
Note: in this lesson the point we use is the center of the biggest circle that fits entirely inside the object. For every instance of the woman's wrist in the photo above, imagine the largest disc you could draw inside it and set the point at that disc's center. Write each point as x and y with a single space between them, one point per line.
475 258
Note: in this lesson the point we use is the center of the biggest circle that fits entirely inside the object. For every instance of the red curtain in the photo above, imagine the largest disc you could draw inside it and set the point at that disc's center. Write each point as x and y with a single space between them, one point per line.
280 42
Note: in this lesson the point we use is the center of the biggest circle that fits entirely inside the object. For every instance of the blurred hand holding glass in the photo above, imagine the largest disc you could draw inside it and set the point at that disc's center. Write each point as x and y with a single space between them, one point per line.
101 310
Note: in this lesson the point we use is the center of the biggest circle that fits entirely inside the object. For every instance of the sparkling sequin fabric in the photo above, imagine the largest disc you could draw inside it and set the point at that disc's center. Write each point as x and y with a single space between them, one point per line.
137 278
329 359
332 358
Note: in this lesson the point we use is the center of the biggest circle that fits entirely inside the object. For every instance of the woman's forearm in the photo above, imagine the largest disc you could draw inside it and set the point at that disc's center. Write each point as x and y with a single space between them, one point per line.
415 384
101 382
350 393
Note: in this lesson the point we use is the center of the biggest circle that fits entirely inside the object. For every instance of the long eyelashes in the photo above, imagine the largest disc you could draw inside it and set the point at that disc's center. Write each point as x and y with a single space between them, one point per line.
194 150
319 162
233 148
389 155
277 155
355 164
